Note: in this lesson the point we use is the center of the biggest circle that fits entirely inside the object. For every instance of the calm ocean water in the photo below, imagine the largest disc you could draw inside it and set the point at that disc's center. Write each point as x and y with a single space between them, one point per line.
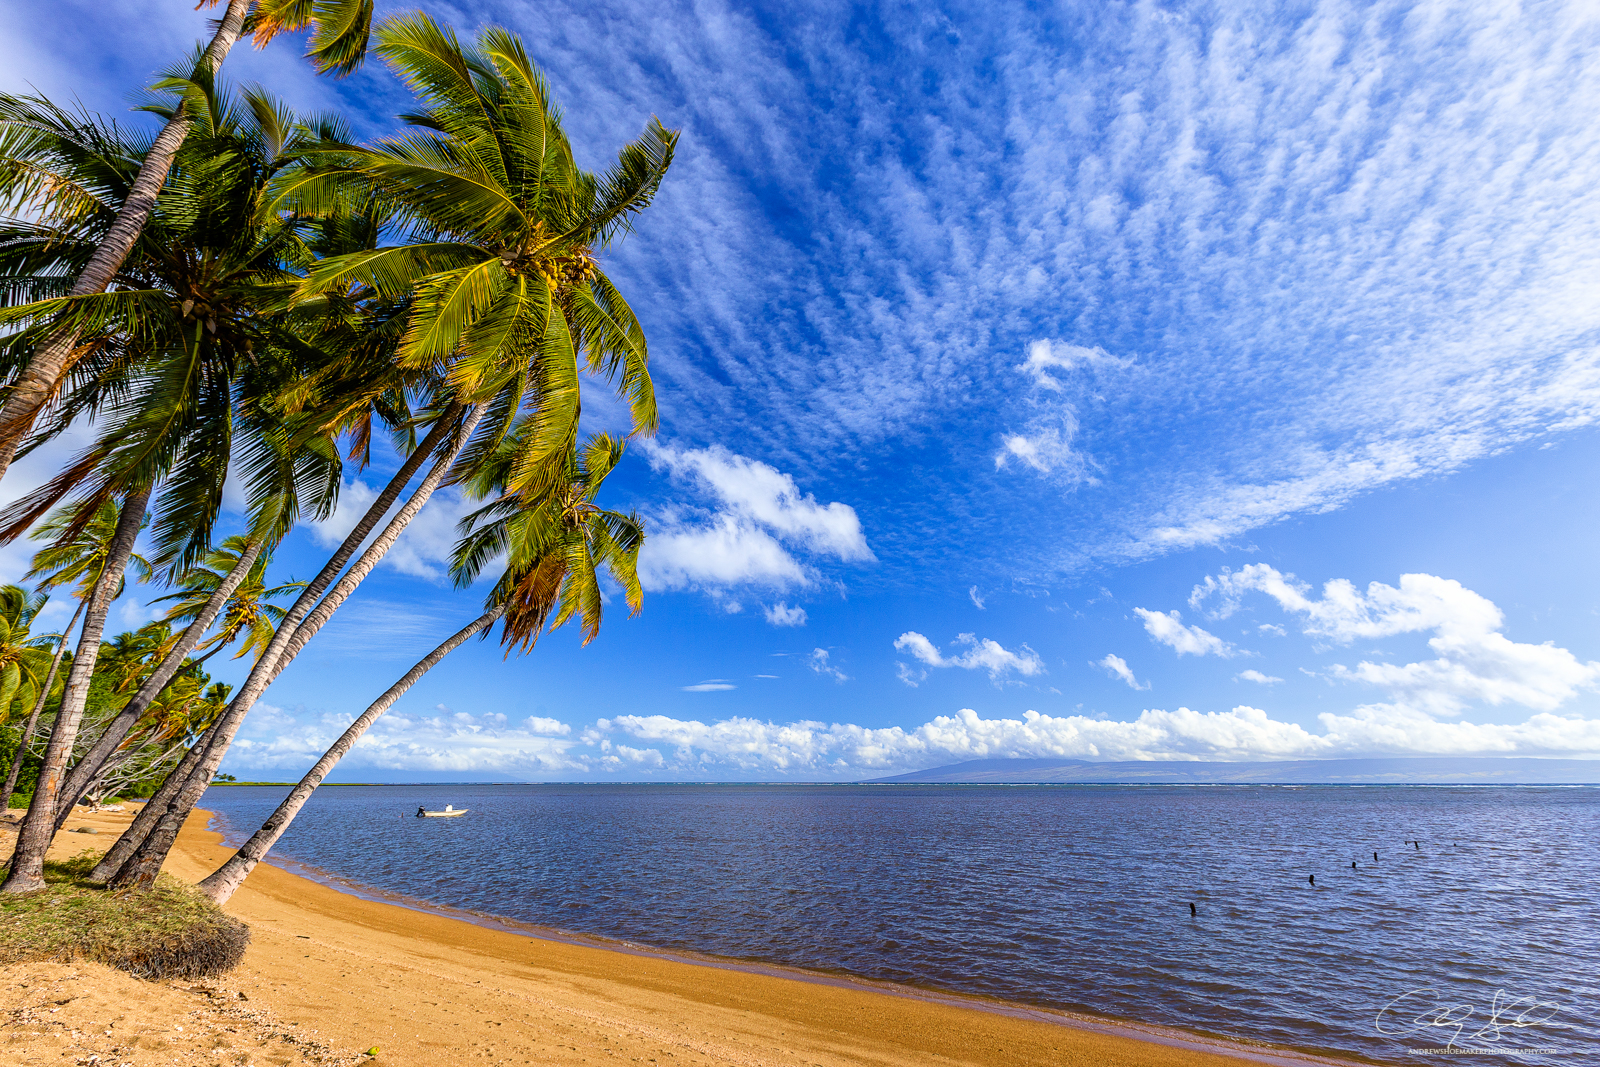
1073 897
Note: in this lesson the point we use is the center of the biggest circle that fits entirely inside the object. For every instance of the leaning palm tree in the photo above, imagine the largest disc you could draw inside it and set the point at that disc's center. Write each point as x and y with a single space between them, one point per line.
31 154
68 559
554 549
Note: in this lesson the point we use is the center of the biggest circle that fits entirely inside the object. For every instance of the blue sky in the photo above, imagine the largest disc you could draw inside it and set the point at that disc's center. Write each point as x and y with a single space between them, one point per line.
986 339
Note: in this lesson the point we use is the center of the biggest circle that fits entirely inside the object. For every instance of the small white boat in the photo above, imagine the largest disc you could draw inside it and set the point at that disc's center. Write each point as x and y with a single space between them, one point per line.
449 812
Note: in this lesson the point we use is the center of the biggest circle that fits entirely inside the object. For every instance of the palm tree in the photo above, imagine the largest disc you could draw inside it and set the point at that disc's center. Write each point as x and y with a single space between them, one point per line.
193 346
38 827
30 155
508 307
79 559
502 271
174 723
248 613
554 549
23 665
22 661
76 555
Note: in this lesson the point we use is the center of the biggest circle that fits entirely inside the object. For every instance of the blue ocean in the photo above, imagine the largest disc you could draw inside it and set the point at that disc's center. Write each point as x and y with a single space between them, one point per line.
1469 923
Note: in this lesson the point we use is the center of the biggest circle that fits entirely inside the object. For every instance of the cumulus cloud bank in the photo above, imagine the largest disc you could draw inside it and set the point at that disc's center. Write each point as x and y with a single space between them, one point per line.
1244 733
748 532
272 738
746 746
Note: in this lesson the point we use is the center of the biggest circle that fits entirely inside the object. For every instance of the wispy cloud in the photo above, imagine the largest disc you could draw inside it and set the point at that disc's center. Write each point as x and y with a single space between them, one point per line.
1259 206
1170 630
1117 667
714 685
820 662
981 654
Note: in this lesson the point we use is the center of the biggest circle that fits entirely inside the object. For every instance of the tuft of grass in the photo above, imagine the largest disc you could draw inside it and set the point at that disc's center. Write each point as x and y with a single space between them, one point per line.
167 931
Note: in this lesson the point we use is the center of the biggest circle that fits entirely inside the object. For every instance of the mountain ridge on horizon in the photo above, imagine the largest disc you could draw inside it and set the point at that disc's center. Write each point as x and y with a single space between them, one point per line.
1394 770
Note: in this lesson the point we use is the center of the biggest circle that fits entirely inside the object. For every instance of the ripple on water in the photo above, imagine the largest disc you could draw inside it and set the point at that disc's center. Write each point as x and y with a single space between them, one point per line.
1073 897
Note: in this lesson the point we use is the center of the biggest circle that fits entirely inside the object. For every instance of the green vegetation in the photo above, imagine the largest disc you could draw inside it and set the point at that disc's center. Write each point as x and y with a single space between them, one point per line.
168 931
253 299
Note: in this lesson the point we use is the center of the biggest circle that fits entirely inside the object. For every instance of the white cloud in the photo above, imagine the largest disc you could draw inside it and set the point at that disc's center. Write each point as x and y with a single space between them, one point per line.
757 519
538 724
1046 447
909 674
982 653
1253 675
818 661
273 739
1118 667
844 750
1045 357
1169 630
781 614
976 599
714 685
1476 662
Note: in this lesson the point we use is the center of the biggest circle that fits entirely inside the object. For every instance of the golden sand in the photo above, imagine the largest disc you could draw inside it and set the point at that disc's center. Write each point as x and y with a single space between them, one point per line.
330 975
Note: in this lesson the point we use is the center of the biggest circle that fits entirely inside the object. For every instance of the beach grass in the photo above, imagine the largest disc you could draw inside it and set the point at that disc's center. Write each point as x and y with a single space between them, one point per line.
167 931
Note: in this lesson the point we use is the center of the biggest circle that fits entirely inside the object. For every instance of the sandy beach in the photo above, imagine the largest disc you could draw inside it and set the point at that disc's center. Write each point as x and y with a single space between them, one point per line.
330 975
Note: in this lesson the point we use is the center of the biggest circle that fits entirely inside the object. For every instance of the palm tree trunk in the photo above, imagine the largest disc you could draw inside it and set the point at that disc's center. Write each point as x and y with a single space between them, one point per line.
117 730
38 706
40 379
27 863
151 813
134 836
231 875
375 551
142 867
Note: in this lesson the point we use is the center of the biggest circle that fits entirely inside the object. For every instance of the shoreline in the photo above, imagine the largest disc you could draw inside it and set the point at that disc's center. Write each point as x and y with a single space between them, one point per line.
410 965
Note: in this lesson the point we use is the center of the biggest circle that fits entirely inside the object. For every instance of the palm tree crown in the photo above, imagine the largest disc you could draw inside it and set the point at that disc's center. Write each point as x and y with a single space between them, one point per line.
24 658
555 548
248 614
508 299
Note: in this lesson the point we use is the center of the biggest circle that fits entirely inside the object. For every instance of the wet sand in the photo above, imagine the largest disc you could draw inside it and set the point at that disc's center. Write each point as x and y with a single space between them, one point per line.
347 974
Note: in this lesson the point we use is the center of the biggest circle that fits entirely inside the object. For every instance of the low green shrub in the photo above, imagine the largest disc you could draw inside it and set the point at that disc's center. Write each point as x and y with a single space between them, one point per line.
167 931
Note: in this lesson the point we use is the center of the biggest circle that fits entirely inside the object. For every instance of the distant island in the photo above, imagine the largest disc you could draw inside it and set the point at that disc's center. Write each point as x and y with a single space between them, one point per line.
1430 770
